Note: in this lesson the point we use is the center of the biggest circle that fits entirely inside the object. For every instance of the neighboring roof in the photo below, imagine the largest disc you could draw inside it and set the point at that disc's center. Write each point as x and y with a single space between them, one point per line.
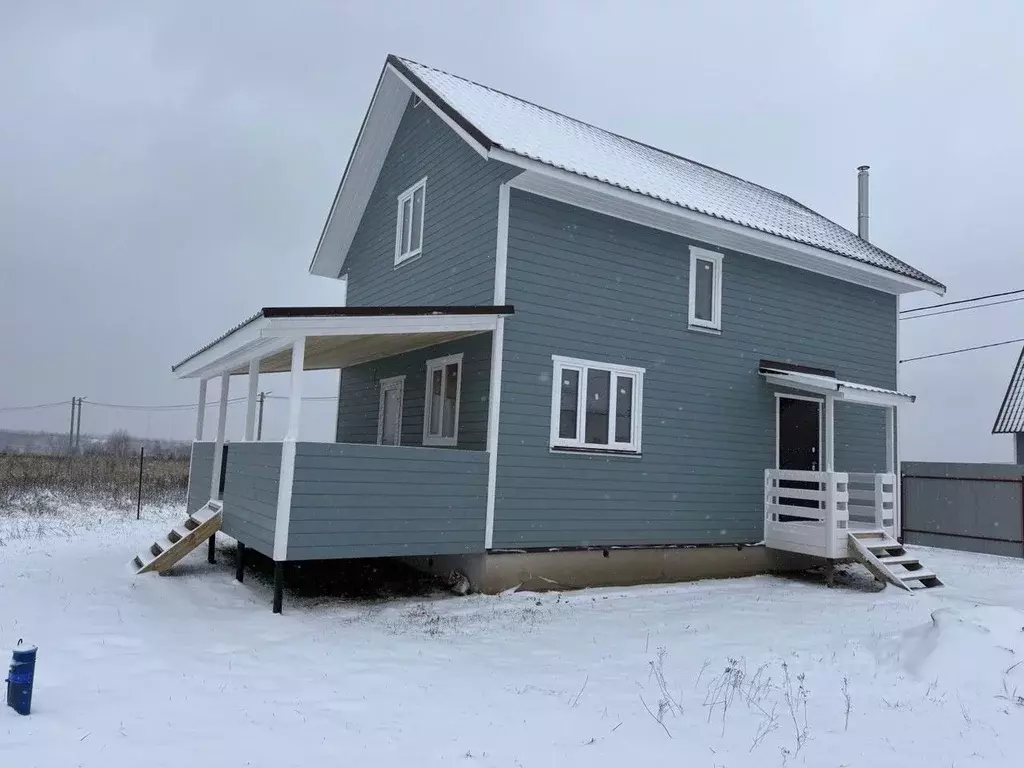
1011 412
851 391
298 313
497 120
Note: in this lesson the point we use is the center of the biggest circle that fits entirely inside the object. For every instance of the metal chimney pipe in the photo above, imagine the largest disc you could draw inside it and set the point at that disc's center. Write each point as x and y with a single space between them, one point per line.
862 201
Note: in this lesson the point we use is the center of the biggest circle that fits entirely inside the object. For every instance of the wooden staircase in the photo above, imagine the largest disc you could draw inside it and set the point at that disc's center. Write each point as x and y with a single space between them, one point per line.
180 540
888 560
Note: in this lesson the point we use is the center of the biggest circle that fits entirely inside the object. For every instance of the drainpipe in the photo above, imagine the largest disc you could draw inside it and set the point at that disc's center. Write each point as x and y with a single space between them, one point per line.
862 201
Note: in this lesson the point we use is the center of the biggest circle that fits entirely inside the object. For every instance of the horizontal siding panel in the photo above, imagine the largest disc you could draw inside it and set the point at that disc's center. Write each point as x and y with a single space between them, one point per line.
250 494
379 501
589 286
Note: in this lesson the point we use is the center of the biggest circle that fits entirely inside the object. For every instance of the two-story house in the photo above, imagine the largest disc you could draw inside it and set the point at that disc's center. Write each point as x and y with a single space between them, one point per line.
568 358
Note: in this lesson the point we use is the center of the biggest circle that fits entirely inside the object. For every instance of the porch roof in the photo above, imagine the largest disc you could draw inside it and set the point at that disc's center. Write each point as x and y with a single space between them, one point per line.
848 391
335 336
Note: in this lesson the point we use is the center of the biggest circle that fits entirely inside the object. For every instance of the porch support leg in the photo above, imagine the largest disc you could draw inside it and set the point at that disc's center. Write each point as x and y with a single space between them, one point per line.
830 573
250 403
218 450
211 549
240 563
890 439
201 413
278 586
288 445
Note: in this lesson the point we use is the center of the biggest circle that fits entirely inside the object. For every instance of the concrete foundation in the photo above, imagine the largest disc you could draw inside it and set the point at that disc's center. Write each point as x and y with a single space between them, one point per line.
576 569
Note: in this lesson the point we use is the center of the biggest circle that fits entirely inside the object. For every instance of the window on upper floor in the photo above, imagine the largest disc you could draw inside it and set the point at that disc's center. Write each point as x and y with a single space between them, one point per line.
596 406
409 228
443 397
705 289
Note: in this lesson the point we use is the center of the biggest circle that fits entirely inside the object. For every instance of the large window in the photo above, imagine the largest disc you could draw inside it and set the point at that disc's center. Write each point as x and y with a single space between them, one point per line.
705 289
444 393
596 406
409 230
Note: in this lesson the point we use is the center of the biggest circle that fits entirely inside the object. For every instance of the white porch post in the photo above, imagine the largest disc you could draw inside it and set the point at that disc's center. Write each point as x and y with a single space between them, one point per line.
890 439
218 449
830 434
291 436
201 415
250 403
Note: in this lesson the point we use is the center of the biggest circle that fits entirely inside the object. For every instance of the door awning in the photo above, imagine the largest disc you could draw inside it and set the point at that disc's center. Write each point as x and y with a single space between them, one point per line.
847 391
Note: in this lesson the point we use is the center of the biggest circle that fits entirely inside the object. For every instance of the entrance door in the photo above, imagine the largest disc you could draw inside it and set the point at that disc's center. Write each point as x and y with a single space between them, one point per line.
799 447
389 414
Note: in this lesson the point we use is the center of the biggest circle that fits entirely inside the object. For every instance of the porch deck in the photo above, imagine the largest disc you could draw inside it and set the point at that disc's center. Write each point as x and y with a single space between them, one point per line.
348 500
812 512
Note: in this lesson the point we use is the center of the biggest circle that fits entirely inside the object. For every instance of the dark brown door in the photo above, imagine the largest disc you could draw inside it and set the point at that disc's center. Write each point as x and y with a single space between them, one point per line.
799 443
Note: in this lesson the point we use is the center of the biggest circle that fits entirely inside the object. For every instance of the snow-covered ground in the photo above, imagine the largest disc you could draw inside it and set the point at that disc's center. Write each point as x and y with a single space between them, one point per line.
194 668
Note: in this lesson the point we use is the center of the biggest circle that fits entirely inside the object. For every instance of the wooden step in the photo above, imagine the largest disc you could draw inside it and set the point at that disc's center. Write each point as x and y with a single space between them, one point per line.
899 560
177 534
921 573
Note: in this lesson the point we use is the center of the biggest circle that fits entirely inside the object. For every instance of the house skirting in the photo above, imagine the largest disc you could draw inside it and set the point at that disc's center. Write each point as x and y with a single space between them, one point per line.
579 568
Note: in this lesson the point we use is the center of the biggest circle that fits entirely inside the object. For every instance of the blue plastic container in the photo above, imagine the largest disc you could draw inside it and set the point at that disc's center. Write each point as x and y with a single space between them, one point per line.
20 679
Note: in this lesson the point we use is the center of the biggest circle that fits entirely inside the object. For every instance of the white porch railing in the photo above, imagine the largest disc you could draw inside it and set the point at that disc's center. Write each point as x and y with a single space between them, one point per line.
811 512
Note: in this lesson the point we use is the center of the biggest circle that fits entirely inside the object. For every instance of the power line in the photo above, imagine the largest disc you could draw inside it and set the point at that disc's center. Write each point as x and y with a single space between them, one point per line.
32 407
963 301
963 349
964 309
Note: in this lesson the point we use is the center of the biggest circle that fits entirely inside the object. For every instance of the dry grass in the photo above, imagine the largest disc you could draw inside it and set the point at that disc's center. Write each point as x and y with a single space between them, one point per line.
35 483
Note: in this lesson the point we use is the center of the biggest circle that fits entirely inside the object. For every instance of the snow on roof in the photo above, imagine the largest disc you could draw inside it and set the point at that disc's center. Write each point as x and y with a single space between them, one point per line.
1011 412
540 134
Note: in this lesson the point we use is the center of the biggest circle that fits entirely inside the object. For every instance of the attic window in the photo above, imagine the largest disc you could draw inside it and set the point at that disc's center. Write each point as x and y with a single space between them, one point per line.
409 227
705 289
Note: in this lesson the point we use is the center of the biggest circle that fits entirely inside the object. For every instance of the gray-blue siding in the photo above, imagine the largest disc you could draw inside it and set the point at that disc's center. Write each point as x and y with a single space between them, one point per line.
359 395
590 286
251 482
200 472
385 501
460 222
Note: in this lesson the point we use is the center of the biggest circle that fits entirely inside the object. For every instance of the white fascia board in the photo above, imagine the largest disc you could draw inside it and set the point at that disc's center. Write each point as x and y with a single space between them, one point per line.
291 327
265 336
360 177
565 186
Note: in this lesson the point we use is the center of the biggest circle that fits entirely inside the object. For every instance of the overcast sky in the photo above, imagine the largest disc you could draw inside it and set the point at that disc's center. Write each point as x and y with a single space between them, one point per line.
166 167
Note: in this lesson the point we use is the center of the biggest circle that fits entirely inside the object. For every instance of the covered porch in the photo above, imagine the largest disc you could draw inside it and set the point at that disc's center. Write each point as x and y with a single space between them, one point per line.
810 504
299 500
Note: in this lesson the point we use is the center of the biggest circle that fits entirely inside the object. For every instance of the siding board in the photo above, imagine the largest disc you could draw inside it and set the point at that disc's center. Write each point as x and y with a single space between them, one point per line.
386 501
250 494
590 286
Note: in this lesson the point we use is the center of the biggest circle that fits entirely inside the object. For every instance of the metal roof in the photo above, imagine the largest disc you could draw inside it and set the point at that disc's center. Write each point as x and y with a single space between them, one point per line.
496 119
1011 412
851 391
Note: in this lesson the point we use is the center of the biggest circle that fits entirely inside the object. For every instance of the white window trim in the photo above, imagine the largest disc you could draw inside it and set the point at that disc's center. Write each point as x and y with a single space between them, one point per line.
433 365
703 254
560 363
393 383
401 258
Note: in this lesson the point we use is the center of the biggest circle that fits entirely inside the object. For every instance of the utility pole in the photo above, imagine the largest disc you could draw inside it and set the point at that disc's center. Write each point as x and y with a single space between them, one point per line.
259 420
78 427
71 432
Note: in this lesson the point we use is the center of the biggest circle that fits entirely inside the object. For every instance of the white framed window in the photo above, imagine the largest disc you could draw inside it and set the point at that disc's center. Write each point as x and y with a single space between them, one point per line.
409 227
389 411
705 289
443 398
596 406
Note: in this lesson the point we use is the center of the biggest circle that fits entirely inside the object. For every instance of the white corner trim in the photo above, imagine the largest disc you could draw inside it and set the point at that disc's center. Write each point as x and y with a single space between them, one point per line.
698 254
589 194
285 481
440 363
497 355
250 403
